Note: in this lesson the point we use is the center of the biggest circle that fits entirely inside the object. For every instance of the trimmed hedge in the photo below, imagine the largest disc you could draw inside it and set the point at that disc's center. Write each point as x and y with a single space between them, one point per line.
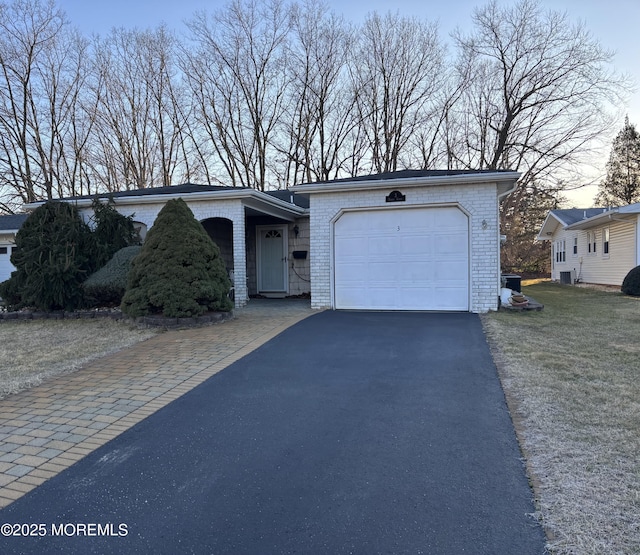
107 286
179 272
631 283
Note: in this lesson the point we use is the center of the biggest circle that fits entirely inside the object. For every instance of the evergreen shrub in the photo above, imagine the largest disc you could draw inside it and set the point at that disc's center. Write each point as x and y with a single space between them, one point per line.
10 292
179 271
631 282
106 286
112 232
53 256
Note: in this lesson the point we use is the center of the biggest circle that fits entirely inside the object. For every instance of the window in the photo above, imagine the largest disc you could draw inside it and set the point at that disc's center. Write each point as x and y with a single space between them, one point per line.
591 242
575 246
4 250
605 241
561 251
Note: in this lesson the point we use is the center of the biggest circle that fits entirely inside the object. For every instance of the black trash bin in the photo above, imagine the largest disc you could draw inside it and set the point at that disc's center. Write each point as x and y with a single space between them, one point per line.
514 282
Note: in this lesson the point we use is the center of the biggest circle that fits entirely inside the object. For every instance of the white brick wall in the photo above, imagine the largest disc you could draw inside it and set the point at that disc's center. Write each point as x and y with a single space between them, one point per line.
479 201
299 269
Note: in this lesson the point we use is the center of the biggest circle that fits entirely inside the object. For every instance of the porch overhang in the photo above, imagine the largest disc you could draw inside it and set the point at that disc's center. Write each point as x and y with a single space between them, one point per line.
252 199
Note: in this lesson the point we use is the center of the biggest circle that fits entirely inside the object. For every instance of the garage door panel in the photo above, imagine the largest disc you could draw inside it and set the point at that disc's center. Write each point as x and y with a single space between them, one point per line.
382 246
450 271
383 271
353 244
402 259
417 245
452 243
417 274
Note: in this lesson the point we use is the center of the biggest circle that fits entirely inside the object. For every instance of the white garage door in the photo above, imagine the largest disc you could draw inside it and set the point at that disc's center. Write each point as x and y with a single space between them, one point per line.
402 259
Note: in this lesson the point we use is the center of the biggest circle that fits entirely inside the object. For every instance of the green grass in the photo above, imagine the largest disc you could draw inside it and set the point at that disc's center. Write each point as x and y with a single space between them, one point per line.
572 375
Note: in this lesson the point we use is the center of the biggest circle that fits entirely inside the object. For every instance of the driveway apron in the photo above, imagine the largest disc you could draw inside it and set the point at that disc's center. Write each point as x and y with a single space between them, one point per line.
350 432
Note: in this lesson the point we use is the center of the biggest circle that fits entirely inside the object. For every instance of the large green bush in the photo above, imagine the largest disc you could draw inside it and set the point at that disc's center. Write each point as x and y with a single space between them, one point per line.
112 232
53 256
179 272
10 292
631 282
106 286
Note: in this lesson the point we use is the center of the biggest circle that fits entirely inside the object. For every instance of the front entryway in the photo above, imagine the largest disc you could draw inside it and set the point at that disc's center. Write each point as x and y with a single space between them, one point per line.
272 260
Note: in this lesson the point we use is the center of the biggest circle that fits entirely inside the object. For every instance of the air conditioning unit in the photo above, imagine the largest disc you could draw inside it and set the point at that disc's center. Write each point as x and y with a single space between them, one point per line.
568 278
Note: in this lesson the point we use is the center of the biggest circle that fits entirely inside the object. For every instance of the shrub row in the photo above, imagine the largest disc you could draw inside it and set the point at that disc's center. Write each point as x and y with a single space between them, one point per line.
177 273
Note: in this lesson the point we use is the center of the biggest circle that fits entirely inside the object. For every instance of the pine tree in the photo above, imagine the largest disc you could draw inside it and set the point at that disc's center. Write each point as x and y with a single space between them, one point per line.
622 184
179 271
53 256
112 232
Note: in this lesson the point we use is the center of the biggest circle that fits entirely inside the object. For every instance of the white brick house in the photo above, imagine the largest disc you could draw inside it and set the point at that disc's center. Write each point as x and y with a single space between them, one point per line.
259 234
408 240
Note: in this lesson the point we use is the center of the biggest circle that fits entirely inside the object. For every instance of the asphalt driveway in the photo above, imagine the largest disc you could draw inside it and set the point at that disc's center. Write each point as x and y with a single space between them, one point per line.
348 433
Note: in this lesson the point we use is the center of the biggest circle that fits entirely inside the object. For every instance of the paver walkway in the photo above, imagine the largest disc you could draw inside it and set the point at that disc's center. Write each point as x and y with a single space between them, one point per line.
48 428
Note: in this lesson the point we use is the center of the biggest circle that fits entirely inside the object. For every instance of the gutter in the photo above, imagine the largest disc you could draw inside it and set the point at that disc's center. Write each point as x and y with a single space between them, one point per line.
466 179
510 190
204 195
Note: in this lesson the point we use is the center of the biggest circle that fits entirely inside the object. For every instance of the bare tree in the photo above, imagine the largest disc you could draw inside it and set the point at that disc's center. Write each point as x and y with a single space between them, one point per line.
322 110
395 73
41 79
140 138
239 78
538 92
537 97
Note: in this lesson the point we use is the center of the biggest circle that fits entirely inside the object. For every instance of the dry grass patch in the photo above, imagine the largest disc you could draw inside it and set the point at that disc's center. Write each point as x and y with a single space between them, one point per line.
33 350
572 372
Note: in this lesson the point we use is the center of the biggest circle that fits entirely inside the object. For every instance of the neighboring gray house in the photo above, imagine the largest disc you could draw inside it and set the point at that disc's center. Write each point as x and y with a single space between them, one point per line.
593 245
9 226
408 240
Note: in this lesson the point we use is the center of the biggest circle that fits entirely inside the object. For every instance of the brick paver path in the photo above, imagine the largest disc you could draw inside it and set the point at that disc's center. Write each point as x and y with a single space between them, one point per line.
48 428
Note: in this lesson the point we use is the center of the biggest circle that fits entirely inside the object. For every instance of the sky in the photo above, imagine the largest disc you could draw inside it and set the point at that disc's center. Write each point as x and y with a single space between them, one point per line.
614 23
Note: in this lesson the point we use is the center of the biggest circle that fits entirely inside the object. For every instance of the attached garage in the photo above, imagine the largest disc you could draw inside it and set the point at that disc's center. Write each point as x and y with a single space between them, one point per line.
407 240
402 259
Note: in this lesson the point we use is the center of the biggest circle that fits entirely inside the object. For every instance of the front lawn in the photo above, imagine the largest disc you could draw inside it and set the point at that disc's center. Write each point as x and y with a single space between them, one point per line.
34 350
572 377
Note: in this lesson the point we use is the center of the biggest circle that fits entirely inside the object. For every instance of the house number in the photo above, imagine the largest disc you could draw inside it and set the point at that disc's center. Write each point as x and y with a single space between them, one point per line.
398 228
395 196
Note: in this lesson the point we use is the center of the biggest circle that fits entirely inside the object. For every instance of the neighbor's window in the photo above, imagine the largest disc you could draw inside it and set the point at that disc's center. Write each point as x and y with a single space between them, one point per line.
591 240
4 250
605 241
575 246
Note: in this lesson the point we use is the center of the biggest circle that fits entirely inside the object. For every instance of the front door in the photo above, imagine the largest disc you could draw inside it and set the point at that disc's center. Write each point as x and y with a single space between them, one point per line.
272 260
